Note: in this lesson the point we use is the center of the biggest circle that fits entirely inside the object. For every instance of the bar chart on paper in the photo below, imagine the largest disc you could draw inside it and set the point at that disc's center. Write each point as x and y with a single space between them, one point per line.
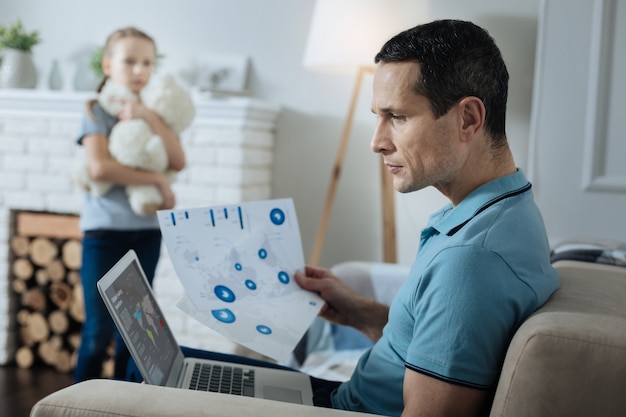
236 264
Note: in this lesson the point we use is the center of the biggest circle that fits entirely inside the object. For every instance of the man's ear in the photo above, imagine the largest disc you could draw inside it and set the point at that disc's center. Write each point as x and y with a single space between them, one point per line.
473 113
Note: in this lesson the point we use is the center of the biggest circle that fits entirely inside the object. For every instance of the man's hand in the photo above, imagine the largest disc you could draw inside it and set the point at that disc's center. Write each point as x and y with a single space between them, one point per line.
344 306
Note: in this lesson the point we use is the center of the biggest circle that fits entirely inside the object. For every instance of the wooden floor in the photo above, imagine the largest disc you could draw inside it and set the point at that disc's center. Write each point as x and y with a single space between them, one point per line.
20 389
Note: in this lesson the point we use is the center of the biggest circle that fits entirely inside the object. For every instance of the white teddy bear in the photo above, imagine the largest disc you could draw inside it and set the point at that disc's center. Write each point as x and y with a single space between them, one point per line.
133 144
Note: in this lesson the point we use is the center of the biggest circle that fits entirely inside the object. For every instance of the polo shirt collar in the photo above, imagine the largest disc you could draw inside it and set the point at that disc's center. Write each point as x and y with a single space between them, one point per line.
449 220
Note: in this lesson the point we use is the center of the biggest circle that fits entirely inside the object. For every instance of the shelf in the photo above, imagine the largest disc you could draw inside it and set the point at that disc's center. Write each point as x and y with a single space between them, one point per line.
229 110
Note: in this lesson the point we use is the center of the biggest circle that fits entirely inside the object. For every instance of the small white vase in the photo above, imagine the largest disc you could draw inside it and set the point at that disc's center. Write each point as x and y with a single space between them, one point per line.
55 79
17 69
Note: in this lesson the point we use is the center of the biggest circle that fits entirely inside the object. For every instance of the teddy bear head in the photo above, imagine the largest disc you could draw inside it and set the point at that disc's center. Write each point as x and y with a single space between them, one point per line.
170 101
111 96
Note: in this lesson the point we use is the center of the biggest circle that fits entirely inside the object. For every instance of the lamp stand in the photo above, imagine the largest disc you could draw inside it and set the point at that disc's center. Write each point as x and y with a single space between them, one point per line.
388 206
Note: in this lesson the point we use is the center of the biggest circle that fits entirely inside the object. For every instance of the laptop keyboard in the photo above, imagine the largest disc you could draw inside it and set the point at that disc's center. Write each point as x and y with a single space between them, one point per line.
224 379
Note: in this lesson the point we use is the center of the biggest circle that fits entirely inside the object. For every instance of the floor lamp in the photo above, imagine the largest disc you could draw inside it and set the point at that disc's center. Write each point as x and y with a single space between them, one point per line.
345 34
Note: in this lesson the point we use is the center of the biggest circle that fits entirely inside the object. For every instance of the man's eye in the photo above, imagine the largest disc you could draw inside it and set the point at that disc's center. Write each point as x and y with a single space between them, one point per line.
397 117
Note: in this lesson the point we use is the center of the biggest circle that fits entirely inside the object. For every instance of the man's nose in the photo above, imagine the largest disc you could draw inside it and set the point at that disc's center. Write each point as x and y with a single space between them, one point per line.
379 139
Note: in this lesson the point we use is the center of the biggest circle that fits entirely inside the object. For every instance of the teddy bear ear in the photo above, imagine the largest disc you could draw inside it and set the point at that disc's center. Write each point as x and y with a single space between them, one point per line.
110 95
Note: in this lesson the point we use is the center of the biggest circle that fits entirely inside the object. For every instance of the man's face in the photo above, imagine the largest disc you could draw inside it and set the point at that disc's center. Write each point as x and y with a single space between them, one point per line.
418 149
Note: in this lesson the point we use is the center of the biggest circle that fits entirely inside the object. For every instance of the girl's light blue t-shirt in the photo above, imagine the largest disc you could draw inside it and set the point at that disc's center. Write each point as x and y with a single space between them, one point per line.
111 211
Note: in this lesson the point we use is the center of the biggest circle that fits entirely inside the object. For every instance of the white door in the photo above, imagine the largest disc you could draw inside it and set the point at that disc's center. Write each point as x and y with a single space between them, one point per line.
577 158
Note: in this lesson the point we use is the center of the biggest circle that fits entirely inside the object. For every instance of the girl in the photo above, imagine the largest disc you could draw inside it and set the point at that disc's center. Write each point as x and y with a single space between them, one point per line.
110 228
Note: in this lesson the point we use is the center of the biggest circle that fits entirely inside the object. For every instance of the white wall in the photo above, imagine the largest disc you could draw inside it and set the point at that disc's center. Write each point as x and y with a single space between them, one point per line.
273 33
581 191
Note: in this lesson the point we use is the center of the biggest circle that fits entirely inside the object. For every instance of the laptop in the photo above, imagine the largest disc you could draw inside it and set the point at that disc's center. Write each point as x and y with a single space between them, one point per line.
137 315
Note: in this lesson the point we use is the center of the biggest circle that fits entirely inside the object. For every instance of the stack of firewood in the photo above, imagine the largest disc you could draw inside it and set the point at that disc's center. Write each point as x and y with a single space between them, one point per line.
45 262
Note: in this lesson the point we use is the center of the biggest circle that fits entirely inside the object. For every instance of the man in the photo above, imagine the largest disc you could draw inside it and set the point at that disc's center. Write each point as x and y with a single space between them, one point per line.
440 92
483 267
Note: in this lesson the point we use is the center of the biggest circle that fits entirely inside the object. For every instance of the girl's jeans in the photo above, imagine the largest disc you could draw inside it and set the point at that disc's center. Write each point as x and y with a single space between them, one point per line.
101 250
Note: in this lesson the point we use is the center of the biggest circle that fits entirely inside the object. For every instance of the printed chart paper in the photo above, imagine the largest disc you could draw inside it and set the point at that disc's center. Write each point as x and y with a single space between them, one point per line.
237 265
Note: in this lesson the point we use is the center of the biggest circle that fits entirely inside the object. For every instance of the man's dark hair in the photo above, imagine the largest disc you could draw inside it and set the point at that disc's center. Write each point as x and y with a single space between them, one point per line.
457 59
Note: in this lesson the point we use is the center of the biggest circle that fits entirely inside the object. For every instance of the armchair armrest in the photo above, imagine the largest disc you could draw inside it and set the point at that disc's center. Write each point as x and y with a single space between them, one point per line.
106 398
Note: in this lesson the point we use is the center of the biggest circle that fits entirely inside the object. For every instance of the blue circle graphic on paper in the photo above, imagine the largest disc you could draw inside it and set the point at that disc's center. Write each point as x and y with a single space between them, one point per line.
250 284
262 253
263 329
283 277
238 266
224 293
312 303
224 315
277 216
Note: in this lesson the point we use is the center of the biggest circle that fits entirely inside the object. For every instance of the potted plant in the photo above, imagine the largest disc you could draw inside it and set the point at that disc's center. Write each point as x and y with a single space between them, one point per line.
95 62
17 69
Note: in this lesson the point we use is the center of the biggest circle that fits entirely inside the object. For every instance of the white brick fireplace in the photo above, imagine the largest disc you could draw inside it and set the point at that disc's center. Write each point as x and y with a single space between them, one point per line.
229 150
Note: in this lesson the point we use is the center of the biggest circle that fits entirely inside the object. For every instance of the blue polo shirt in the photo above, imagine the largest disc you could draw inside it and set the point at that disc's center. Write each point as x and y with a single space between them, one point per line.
482 268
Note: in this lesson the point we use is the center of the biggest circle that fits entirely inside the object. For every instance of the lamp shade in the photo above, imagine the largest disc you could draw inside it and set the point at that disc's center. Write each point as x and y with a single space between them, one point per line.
346 34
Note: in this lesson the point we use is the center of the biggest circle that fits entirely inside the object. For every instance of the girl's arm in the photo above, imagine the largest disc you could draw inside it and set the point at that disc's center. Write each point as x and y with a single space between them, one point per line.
102 167
175 153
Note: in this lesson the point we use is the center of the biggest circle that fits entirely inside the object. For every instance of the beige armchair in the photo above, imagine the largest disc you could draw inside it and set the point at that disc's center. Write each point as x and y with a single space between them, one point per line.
568 359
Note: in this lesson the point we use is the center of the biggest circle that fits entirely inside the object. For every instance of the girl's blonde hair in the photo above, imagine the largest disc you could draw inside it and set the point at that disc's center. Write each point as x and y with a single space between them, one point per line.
123 33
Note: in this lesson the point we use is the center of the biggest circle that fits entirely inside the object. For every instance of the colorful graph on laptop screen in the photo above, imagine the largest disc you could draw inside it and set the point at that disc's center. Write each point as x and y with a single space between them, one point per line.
144 322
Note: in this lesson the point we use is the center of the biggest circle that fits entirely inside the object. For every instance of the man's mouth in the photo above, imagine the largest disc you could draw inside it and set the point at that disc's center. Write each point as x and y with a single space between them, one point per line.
392 168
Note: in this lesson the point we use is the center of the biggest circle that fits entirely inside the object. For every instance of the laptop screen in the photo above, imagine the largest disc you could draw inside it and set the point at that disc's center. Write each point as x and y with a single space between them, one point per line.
138 314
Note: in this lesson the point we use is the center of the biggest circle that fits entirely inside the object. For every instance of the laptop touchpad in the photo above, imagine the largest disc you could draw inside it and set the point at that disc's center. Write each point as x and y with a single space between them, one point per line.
282 394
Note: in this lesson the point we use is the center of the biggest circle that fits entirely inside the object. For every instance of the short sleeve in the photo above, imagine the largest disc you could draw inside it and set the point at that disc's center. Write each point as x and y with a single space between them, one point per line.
98 122
465 315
